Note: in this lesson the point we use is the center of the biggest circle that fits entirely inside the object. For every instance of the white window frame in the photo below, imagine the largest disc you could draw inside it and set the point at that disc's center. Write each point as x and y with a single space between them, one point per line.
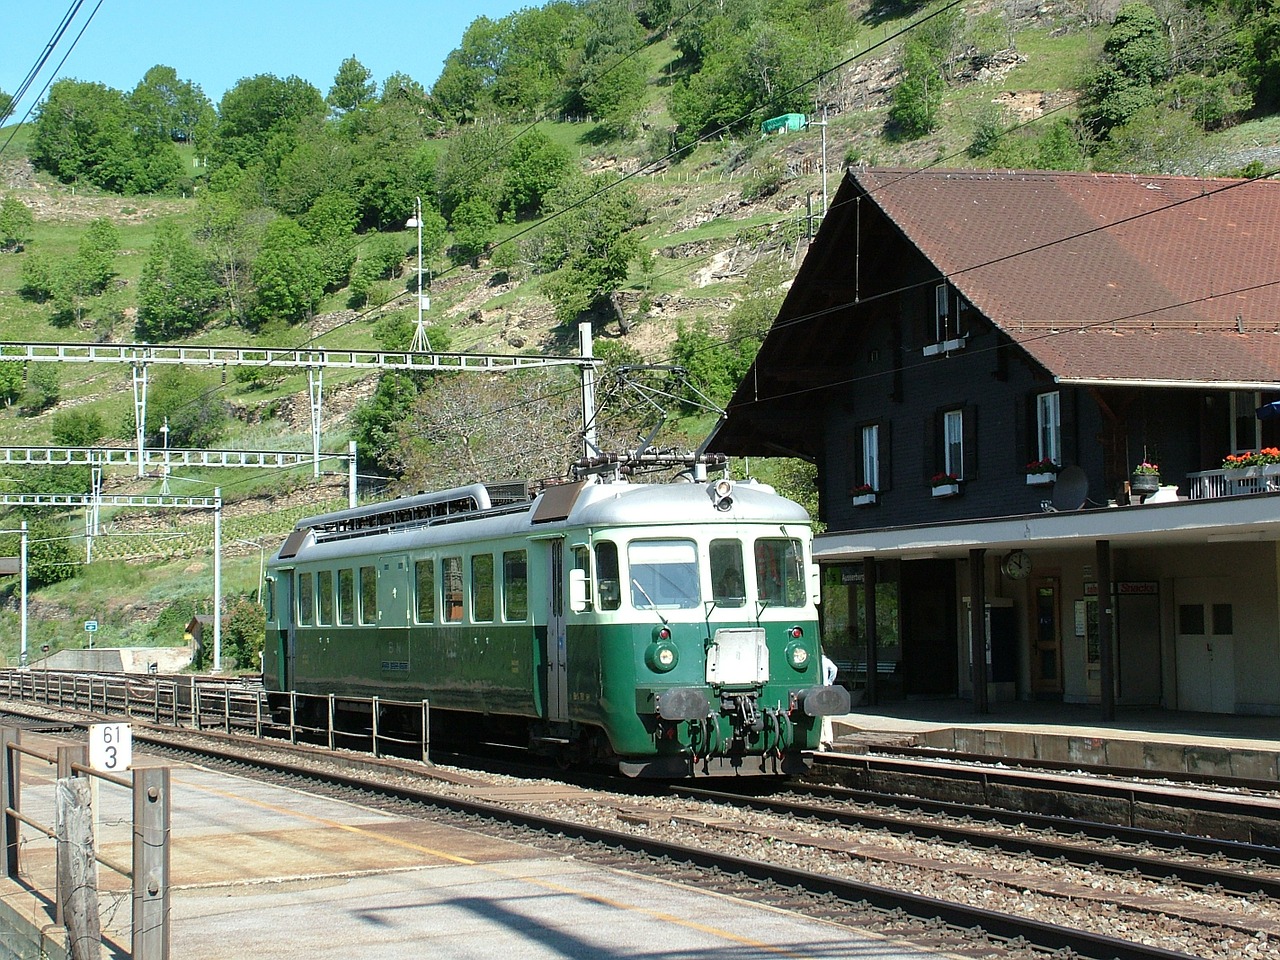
871 455
946 322
1244 406
953 443
1049 427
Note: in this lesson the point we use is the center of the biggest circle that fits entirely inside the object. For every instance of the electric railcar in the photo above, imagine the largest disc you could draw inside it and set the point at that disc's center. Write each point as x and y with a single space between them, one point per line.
667 628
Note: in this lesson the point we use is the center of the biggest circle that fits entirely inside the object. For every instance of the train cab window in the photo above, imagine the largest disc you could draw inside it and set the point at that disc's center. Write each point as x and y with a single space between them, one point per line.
780 572
451 586
324 593
306 600
515 585
664 574
728 585
607 578
368 595
424 586
482 588
346 597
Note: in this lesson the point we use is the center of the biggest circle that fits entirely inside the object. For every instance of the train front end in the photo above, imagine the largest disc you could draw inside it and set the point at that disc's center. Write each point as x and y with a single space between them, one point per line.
696 603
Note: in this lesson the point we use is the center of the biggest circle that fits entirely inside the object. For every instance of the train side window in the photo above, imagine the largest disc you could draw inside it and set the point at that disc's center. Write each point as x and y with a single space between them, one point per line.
324 593
608 579
515 585
269 600
780 572
424 584
346 597
368 595
482 588
451 584
306 600
728 586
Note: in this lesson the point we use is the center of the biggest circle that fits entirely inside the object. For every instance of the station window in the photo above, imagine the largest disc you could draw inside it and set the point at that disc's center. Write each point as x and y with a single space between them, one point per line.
780 572
424 588
482 588
515 585
727 582
346 597
664 574
324 593
306 600
368 595
607 577
451 585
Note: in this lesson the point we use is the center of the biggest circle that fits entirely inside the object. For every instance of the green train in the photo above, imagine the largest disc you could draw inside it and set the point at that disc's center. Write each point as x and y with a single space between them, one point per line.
667 628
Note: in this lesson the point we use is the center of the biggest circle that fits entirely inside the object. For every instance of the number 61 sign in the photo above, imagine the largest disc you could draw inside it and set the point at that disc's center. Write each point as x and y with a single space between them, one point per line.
110 747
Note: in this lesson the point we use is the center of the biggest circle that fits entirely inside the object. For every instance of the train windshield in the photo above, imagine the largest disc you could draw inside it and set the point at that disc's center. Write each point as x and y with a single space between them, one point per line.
780 572
664 574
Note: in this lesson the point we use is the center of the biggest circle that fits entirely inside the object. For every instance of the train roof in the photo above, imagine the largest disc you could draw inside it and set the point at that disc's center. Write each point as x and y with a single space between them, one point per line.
483 511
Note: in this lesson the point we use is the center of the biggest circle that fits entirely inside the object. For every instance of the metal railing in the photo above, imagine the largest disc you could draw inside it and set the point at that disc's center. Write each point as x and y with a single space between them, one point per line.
75 885
229 706
1212 484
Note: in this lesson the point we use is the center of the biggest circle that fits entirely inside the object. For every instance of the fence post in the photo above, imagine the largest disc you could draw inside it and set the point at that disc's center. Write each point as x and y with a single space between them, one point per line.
77 896
151 863
11 796
426 731
331 708
195 704
293 716
67 755
257 715
226 709
374 714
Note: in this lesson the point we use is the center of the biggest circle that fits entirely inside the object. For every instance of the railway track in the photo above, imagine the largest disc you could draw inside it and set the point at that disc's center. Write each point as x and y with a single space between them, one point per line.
800 855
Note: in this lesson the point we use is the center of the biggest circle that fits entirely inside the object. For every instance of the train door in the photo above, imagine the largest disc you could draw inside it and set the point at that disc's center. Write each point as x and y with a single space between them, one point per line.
556 655
280 594
393 591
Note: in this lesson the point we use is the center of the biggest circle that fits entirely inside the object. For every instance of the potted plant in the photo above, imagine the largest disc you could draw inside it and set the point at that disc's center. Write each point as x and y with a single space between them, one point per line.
1267 460
1041 473
864 495
945 484
1145 479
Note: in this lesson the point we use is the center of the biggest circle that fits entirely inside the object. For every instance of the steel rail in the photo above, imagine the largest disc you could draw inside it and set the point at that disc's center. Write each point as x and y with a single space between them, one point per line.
1150 866
1115 789
1071 826
999 925
1128 773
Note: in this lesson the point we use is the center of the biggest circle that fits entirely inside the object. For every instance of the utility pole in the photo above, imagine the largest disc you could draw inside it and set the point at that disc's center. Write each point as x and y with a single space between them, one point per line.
420 343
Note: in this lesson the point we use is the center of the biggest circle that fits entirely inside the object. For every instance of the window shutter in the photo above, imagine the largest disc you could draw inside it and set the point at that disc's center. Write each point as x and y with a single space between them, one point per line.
853 453
932 435
1023 430
1067 421
886 471
970 424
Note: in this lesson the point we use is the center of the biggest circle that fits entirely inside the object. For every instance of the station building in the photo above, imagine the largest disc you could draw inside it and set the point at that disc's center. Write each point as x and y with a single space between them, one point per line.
980 364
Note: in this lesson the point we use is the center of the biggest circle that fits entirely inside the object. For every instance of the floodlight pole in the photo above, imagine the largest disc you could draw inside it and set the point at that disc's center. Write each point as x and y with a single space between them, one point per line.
420 343
217 580
22 569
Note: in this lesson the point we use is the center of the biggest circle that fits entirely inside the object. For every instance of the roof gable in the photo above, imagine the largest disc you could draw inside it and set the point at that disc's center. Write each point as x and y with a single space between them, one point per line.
1102 276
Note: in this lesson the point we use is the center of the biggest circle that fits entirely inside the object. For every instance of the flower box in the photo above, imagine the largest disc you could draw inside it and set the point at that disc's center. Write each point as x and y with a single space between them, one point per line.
864 499
1041 479
946 490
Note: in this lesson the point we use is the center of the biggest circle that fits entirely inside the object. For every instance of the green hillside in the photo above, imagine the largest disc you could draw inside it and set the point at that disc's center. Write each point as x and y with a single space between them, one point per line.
616 175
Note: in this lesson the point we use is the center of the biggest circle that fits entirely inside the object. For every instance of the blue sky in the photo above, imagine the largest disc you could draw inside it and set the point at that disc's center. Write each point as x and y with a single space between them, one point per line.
217 43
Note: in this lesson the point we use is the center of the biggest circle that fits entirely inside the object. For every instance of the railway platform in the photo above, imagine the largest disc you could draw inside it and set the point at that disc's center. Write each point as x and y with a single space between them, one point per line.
1140 738
264 870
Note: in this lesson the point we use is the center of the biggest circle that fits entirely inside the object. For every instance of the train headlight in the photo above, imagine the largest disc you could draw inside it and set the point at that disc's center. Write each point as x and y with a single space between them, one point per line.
661 656
797 655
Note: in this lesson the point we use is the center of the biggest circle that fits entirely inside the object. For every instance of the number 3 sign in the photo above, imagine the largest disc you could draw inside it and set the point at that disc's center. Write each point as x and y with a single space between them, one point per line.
110 747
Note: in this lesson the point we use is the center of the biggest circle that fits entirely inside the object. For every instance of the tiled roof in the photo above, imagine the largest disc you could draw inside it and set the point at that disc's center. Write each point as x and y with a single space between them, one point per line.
1106 277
